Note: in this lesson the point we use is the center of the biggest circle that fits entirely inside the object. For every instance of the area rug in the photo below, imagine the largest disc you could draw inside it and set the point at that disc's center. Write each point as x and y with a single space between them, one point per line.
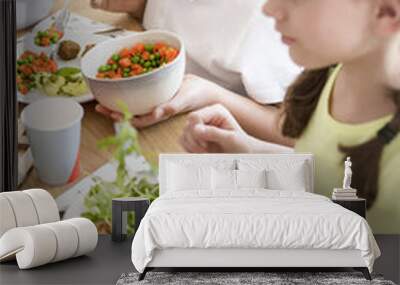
244 278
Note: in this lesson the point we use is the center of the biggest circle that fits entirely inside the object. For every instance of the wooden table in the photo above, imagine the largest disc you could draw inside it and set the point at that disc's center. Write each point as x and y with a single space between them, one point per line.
154 140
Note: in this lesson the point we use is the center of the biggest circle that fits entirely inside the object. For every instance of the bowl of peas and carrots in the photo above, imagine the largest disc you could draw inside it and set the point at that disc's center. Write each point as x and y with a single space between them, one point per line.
144 70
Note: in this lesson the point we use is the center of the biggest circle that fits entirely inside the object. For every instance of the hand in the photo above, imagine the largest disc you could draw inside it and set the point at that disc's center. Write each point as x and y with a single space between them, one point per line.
194 93
214 130
134 7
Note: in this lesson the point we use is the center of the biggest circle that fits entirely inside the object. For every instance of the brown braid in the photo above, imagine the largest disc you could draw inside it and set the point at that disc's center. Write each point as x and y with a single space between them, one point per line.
300 103
302 99
366 159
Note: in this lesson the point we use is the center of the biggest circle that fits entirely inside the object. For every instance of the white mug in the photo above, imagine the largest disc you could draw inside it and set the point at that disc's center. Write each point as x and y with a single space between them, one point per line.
53 128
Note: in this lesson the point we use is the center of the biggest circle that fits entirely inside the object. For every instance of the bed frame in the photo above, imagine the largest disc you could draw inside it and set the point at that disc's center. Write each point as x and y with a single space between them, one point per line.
250 259
237 259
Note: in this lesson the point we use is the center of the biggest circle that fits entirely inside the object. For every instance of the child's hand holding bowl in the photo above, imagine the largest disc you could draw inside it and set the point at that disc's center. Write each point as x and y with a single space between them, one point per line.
195 93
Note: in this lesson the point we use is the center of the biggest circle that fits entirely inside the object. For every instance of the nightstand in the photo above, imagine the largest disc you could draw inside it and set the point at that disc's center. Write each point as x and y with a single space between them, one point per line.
358 206
120 207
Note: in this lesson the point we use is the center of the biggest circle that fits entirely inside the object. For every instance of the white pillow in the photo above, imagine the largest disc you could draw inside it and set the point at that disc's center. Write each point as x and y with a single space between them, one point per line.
226 179
223 179
182 178
251 178
293 179
284 174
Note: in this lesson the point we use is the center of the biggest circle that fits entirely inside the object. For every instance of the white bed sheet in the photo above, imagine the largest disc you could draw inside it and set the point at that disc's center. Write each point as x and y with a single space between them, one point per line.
252 218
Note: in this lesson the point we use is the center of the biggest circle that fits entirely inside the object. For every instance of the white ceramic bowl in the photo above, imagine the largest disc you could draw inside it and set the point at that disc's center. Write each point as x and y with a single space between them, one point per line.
144 92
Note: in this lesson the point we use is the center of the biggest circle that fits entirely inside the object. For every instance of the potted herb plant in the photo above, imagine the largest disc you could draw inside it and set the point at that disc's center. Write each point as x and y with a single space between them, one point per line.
98 201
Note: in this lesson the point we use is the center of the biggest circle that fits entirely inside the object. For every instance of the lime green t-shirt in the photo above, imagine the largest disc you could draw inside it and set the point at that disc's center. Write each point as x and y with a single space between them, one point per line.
322 137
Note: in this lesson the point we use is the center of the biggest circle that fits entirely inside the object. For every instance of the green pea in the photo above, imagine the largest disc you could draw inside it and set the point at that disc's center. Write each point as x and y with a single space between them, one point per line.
45 34
37 41
135 59
125 75
150 69
147 64
152 57
157 55
154 63
114 66
149 47
127 70
115 57
29 59
55 37
105 68
142 62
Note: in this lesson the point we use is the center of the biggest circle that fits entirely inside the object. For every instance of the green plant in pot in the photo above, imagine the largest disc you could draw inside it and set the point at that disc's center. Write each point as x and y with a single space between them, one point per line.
98 201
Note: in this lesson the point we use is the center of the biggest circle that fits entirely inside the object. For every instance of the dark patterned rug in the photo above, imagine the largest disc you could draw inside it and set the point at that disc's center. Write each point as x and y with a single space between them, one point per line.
243 278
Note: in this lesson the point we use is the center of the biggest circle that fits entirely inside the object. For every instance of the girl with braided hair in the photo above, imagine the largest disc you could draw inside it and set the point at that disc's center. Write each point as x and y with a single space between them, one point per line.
345 103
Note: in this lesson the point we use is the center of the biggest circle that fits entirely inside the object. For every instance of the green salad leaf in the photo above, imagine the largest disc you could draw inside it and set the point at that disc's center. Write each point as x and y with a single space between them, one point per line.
68 71
98 201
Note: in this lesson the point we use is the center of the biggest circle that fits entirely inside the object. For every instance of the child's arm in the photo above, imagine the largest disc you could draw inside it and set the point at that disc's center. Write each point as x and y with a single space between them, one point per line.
260 146
134 7
260 121
214 130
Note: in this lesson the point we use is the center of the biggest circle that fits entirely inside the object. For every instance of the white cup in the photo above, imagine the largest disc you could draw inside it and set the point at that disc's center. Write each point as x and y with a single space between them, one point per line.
53 127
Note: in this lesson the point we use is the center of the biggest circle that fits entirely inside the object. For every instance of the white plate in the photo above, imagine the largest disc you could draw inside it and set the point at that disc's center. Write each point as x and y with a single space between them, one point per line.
76 23
82 39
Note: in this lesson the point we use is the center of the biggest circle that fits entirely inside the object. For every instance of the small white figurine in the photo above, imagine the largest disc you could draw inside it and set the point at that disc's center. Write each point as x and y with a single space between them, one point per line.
347 174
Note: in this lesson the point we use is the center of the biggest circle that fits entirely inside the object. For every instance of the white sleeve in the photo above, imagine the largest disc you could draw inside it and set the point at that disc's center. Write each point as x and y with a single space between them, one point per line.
155 14
232 40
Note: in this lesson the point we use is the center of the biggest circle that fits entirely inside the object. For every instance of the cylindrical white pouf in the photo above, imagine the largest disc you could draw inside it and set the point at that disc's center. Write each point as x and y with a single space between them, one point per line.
45 205
36 245
87 234
7 218
67 239
23 208
40 244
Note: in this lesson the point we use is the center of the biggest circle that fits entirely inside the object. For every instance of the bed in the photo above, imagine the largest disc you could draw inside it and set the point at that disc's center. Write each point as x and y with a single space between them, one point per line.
247 211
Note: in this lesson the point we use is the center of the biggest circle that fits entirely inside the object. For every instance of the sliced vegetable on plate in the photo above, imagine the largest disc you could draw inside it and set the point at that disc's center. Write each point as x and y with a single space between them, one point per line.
38 71
48 37
67 81
29 64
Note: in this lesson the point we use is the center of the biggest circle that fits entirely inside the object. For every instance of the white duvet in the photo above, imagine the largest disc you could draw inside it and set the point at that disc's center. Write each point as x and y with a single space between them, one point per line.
250 218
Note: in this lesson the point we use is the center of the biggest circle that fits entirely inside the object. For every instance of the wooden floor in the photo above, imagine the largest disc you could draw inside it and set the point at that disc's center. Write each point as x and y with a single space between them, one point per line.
106 264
